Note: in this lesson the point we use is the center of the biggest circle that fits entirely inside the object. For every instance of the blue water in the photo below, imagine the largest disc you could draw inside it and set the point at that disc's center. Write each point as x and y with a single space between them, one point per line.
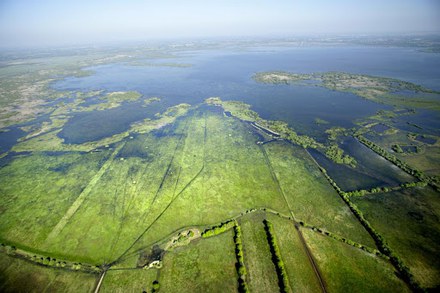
95 125
228 74
14 132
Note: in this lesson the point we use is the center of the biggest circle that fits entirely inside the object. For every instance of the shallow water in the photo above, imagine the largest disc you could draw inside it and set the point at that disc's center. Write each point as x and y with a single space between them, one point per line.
95 125
229 74
9 138
348 179
380 128
427 140
374 165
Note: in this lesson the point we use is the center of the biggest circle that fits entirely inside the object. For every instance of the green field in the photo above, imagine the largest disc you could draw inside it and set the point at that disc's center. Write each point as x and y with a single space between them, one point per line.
228 175
109 207
40 189
299 269
409 222
131 280
18 275
207 265
257 258
309 195
347 269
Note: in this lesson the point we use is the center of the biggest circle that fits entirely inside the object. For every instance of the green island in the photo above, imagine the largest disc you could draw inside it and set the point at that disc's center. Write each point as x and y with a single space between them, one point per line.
377 89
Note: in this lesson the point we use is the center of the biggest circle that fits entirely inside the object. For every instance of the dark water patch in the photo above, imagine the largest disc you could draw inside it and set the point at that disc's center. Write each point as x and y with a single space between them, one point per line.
56 102
373 165
9 138
95 125
6 160
347 178
426 139
380 128
163 131
175 128
409 148
228 114
421 122
201 109
62 168
135 147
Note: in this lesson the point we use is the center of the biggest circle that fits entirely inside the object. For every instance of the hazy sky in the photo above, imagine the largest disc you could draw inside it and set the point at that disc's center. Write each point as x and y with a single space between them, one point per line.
57 21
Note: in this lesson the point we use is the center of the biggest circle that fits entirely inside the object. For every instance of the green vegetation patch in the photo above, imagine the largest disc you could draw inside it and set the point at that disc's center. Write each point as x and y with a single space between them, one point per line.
114 212
309 195
346 268
409 221
206 265
261 276
134 280
222 174
377 89
37 191
302 278
18 275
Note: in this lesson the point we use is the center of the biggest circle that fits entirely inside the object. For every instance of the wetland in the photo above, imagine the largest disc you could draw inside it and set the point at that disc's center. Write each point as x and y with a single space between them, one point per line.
159 168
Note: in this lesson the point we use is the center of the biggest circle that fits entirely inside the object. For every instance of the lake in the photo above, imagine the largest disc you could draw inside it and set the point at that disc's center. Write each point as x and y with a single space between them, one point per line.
228 74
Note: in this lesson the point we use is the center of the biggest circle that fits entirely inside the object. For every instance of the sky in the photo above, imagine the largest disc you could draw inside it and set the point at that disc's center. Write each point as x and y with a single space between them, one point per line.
45 22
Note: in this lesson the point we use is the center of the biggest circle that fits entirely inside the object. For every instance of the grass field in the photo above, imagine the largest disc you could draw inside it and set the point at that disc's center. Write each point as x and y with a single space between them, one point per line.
348 269
113 212
207 265
301 276
40 188
230 177
261 275
18 276
110 206
130 281
309 195
409 222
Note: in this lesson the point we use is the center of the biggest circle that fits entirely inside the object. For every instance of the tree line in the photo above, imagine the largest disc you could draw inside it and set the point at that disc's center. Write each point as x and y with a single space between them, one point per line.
218 229
48 261
283 281
241 268
362 192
